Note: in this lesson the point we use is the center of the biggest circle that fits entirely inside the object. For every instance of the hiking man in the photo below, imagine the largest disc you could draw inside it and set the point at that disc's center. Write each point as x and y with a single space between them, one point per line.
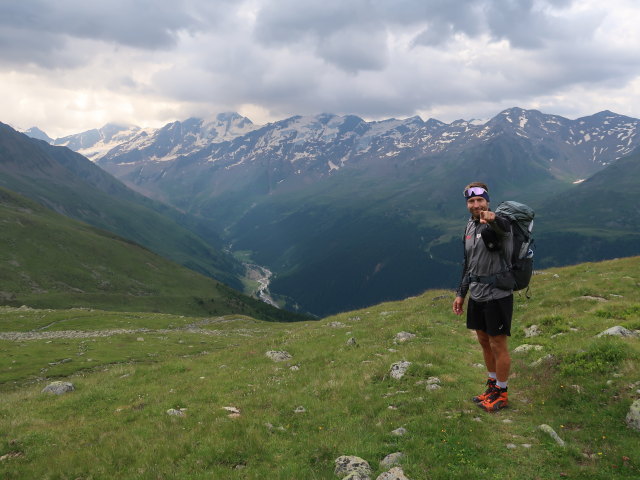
487 242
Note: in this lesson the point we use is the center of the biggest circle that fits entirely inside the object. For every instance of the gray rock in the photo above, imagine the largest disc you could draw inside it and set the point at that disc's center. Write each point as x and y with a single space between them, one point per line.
399 432
532 331
396 473
357 476
633 417
58 388
392 459
337 325
546 359
578 388
525 347
552 433
176 412
300 409
351 342
398 369
404 337
278 355
349 464
591 297
618 331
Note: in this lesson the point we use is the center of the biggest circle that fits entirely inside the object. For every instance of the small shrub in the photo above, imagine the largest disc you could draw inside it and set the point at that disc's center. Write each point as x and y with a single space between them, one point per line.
600 357
550 320
558 329
632 325
622 312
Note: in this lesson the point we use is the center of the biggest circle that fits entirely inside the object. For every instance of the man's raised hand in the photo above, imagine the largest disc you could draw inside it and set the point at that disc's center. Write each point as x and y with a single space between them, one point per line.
487 217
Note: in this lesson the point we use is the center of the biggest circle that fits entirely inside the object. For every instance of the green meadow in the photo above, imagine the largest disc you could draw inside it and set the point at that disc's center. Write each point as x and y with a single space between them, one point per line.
245 416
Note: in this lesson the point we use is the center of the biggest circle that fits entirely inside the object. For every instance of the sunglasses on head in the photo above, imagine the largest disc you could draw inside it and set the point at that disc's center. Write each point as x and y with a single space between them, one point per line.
474 192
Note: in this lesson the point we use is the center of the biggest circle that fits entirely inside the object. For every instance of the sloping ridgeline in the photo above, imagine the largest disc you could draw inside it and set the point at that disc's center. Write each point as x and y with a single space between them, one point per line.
50 261
71 185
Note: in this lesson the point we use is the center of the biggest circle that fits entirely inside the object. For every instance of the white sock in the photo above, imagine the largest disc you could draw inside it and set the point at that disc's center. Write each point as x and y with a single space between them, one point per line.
501 384
492 375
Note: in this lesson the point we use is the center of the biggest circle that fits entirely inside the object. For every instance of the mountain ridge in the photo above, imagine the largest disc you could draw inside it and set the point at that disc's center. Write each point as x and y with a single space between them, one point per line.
288 193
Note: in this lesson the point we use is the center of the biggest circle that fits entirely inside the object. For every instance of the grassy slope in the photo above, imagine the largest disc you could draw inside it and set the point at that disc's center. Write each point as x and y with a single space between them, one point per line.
115 424
50 261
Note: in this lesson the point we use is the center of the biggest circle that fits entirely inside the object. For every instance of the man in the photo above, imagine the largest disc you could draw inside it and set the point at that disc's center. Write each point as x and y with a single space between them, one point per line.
487 243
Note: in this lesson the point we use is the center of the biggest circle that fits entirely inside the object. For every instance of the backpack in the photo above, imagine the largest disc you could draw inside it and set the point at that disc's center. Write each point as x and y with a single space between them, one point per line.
521 262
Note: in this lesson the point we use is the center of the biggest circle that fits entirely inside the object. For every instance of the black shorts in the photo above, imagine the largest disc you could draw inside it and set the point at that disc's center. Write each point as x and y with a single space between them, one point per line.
492 317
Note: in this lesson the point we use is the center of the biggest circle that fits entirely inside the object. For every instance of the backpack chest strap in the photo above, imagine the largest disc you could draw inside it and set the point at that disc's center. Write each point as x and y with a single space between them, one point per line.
488 279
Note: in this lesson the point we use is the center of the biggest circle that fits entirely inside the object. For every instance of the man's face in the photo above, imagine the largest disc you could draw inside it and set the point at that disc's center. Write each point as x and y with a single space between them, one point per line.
477 205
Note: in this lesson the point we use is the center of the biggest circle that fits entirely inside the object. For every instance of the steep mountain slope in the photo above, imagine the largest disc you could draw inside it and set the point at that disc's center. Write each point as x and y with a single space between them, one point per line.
95 143
50 261
595 219
71 185
170 141
35 132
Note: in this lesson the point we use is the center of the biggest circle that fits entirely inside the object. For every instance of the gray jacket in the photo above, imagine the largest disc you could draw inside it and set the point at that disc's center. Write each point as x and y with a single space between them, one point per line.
480 262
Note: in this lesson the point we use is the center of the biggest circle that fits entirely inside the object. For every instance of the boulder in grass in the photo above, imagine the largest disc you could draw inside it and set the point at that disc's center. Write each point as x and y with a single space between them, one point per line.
633 417
398 369
618 331
396 473
532 331
177 412
59 388
392 459
552 433
525 347
349 464
404 337
279 355
357 476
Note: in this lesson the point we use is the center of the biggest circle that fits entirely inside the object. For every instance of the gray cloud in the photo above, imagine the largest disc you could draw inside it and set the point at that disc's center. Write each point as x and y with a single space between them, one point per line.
373 58
40 31
348 35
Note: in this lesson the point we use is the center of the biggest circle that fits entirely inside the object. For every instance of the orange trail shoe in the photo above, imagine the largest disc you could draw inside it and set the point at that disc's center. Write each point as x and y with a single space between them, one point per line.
491 387
497 400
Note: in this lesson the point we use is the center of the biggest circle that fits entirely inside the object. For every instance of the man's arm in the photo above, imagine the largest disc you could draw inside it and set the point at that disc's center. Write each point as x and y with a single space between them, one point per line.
458 304
463 288
499 224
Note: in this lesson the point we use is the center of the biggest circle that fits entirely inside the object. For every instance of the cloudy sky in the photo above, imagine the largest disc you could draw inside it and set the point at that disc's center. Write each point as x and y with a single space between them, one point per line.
71 65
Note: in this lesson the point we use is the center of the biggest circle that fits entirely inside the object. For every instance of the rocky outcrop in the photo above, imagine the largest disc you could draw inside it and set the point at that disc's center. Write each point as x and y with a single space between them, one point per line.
348 465
398 369
552 433
395 473
402 337
633 417
58 388
279 355
618 331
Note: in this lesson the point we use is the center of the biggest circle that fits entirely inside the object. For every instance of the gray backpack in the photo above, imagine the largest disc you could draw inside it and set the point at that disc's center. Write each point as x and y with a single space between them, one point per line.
521 262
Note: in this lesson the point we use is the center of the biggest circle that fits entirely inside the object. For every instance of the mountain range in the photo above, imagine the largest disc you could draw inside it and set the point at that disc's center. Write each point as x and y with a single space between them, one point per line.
348 213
